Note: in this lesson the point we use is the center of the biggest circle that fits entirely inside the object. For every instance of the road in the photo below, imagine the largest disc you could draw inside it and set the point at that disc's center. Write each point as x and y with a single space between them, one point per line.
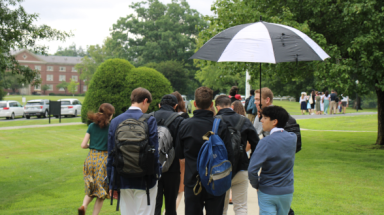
32 118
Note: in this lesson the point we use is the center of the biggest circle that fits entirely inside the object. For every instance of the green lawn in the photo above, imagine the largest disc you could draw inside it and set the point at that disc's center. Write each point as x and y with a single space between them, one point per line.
9 123
335 173
53 98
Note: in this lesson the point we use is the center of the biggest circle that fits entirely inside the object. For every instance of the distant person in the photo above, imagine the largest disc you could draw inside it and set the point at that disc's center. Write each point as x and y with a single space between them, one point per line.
137 183
232 93
313 102
95 166
333 104
169 183
251 107
344 103
321 103
317 103
308 103
275 157
337 100
247 133
183 112
326 99
303 103
189 144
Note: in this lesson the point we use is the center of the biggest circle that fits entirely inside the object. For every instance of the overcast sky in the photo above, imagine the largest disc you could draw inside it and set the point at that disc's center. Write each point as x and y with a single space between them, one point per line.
89 20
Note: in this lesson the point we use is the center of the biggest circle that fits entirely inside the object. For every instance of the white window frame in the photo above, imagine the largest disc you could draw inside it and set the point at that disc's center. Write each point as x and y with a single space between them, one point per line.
50 87
61 79
62 68
61 89
37 87
74 69
38 68
49 68
85 88
38 76
75 78
50 77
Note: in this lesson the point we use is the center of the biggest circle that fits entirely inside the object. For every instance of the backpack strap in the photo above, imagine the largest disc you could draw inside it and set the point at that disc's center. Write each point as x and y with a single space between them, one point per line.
171 119
240 123
145 117
215 127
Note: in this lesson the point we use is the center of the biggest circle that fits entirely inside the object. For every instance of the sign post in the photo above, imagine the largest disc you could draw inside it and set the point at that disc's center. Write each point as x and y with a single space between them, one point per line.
23 100
54 109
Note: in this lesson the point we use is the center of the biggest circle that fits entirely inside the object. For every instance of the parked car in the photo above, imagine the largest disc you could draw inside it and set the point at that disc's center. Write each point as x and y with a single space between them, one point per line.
38 107
11 109
70 107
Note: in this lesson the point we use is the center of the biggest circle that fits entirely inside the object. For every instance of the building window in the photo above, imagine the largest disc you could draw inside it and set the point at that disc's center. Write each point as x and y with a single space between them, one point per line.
77 88
74 69
25 56
62 69
49 77
50 87
49 68
61 77
38 68
37 87
74 77
61 89
38 77
85 88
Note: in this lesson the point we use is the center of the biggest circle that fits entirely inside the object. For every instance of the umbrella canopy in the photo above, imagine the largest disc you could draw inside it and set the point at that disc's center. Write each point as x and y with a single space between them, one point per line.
261 42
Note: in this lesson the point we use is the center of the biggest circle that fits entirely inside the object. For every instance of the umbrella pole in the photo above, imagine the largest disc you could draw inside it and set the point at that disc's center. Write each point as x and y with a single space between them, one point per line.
260 93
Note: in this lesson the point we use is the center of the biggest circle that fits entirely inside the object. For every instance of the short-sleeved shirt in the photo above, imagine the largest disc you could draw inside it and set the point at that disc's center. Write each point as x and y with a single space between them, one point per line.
99 137
333 97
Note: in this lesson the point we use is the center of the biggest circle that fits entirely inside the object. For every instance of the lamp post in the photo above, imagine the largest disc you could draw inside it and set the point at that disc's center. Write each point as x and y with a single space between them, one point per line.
357 98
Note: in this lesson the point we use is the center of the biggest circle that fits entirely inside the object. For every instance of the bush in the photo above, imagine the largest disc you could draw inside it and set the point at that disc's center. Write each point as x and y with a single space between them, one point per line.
51 94
108 85
151 80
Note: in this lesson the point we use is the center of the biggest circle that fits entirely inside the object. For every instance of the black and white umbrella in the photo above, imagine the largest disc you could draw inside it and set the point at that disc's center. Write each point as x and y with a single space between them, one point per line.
261 42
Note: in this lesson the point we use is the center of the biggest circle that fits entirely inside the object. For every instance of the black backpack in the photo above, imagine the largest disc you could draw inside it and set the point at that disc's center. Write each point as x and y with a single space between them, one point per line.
133 156
292 126
237 147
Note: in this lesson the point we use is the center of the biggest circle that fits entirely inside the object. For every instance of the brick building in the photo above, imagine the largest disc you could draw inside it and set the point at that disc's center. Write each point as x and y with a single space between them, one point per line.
53 70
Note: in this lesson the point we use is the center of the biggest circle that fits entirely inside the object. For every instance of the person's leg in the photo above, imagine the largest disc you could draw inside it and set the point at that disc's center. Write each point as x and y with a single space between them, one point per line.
193 204
97 207
86 201
171 188
239 193
140 200
178 200
226 202
159 197
127 201
213 204
283 203
266 204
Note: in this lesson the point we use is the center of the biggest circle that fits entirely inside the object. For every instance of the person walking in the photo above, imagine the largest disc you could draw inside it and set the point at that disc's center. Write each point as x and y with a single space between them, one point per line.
313 102
317 103
308 103
251 107
188 146
169 183
239 183
344 103
95 166
275 157
333 104
303 103
326 102
137 193
321 103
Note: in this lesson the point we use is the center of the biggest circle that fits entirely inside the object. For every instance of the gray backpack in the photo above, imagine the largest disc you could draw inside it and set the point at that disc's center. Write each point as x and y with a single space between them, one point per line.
166 150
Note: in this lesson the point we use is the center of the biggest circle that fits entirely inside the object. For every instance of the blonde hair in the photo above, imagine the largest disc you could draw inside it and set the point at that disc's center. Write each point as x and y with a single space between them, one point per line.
265 93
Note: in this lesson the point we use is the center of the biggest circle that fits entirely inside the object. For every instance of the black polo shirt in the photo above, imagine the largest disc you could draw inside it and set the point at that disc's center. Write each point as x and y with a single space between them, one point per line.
190 140
248 133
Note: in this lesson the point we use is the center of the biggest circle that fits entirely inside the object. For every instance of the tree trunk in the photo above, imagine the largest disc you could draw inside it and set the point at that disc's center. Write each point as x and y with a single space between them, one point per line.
380 117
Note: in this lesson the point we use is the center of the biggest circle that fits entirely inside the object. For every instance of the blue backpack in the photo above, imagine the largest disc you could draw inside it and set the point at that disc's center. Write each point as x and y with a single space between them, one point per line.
213 166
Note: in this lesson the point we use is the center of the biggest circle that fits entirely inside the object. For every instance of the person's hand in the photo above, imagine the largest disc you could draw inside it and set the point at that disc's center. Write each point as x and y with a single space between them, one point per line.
110 193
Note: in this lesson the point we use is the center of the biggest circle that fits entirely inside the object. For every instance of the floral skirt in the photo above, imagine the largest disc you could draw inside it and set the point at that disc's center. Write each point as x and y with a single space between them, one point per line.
95 173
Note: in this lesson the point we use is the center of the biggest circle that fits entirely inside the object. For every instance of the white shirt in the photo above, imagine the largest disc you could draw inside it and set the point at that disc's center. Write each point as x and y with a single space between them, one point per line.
134 108
275 129
345 99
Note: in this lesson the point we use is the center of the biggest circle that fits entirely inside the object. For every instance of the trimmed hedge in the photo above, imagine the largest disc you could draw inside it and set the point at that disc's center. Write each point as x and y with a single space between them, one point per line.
108 85
151 80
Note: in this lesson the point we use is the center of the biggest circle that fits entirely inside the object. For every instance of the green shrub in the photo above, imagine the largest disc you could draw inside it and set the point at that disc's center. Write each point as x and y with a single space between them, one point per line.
108 85
51 94
151 80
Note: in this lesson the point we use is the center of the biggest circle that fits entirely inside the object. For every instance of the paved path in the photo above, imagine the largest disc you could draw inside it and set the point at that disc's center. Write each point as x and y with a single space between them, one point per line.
40 126
333 115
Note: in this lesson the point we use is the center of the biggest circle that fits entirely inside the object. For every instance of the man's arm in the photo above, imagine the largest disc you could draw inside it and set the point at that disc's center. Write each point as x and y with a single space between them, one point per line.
257 160
154 141
111 145
226 137
179 143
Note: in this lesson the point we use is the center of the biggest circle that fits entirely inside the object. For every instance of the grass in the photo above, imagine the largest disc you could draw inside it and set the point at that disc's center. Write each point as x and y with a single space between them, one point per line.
335 173
53 98
9 123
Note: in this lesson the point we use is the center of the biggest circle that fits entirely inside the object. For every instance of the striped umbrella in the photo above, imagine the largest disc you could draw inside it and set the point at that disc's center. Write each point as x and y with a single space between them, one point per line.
261 42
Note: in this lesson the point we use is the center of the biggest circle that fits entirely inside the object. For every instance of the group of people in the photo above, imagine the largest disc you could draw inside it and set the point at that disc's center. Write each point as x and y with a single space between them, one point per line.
130 155
319 103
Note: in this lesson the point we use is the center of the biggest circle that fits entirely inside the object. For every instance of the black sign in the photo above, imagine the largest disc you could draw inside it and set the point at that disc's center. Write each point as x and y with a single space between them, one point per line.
54 109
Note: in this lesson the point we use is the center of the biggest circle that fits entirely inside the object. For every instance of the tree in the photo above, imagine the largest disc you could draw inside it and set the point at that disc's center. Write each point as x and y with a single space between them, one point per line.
175 72
157 32
44 88
63 85
13 81
71 51
88 65
17 31
349 31
72 87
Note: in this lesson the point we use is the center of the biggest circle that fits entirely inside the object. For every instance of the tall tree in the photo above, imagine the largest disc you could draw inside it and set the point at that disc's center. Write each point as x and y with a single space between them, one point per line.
157 32
63 85
72 87
17 31
12 81
349 31
71 51
88 65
